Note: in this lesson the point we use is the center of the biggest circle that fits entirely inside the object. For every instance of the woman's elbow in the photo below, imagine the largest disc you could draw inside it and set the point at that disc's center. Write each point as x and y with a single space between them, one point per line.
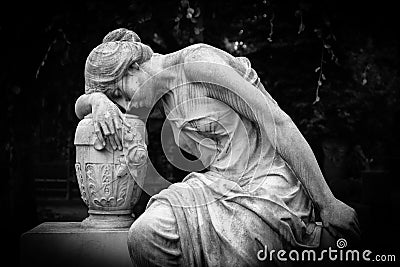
82 107
78 112
282 120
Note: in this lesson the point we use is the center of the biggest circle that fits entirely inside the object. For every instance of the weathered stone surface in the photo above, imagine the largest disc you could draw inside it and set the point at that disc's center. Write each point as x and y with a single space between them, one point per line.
110 181
71 244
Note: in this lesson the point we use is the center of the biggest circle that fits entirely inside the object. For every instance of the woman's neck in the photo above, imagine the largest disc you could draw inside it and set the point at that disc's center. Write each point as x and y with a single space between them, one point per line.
168 66
172 59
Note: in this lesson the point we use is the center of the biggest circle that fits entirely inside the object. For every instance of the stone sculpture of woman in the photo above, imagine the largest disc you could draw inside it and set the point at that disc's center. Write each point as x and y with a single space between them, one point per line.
263 187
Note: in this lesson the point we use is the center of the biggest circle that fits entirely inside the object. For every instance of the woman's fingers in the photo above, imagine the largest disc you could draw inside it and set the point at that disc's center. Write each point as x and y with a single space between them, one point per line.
118 139
115 128
348 232
112 141
357 226
107 130
118 131
357 222
110 125
104 127
99 133
117 121
116 144
332 231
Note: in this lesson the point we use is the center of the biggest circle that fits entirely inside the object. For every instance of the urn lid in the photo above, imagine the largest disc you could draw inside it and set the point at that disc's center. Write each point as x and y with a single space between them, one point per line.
85 134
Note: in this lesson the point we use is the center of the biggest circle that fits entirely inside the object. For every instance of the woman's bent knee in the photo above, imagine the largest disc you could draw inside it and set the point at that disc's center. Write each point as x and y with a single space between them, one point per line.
139 233
153 237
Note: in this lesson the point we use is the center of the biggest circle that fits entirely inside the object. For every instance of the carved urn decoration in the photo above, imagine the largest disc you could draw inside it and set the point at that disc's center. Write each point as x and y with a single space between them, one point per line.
110 181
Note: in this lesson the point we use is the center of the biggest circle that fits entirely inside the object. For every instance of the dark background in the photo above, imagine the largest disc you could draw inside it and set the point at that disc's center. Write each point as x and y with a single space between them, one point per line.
342 53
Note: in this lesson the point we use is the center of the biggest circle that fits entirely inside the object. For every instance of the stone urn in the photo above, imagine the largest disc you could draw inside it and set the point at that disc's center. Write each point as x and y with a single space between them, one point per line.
110 181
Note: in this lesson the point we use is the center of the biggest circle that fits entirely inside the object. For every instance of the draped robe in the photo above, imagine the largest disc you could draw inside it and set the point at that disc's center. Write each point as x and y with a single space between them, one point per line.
247 201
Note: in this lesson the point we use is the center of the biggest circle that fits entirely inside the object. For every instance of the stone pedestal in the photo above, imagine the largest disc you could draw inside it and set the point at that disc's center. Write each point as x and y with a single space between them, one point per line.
71 244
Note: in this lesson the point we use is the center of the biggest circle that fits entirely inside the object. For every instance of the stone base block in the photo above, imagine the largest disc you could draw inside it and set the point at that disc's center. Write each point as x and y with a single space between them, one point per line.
71 244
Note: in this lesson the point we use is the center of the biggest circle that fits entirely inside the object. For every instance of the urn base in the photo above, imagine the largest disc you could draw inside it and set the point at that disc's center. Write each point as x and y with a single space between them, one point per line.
108 221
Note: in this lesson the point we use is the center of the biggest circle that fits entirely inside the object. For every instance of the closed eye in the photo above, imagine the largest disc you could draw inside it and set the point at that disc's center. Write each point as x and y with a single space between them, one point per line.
134 66
114 94
117 94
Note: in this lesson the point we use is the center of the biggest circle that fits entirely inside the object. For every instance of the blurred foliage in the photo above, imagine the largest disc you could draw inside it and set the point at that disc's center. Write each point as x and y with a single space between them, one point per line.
331 65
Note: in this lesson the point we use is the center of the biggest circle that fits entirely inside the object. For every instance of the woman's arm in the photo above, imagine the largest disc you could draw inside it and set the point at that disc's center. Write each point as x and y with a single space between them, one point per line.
83 105
228 86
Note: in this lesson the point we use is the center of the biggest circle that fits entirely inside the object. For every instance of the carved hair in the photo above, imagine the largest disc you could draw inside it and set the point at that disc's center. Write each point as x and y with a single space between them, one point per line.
121 34
109 61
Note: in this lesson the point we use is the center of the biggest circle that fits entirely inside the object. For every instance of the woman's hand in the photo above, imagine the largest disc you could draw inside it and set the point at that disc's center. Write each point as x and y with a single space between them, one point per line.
107 120
340 220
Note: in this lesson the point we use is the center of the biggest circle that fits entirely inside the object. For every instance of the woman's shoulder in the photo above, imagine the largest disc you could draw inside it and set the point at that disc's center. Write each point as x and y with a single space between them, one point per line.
197 58
201 53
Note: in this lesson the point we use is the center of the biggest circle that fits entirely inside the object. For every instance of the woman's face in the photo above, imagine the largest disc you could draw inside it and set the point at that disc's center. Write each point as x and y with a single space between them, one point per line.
135 88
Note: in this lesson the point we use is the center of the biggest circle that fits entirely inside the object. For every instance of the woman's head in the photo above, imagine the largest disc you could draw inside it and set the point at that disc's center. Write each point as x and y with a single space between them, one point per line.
113 67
